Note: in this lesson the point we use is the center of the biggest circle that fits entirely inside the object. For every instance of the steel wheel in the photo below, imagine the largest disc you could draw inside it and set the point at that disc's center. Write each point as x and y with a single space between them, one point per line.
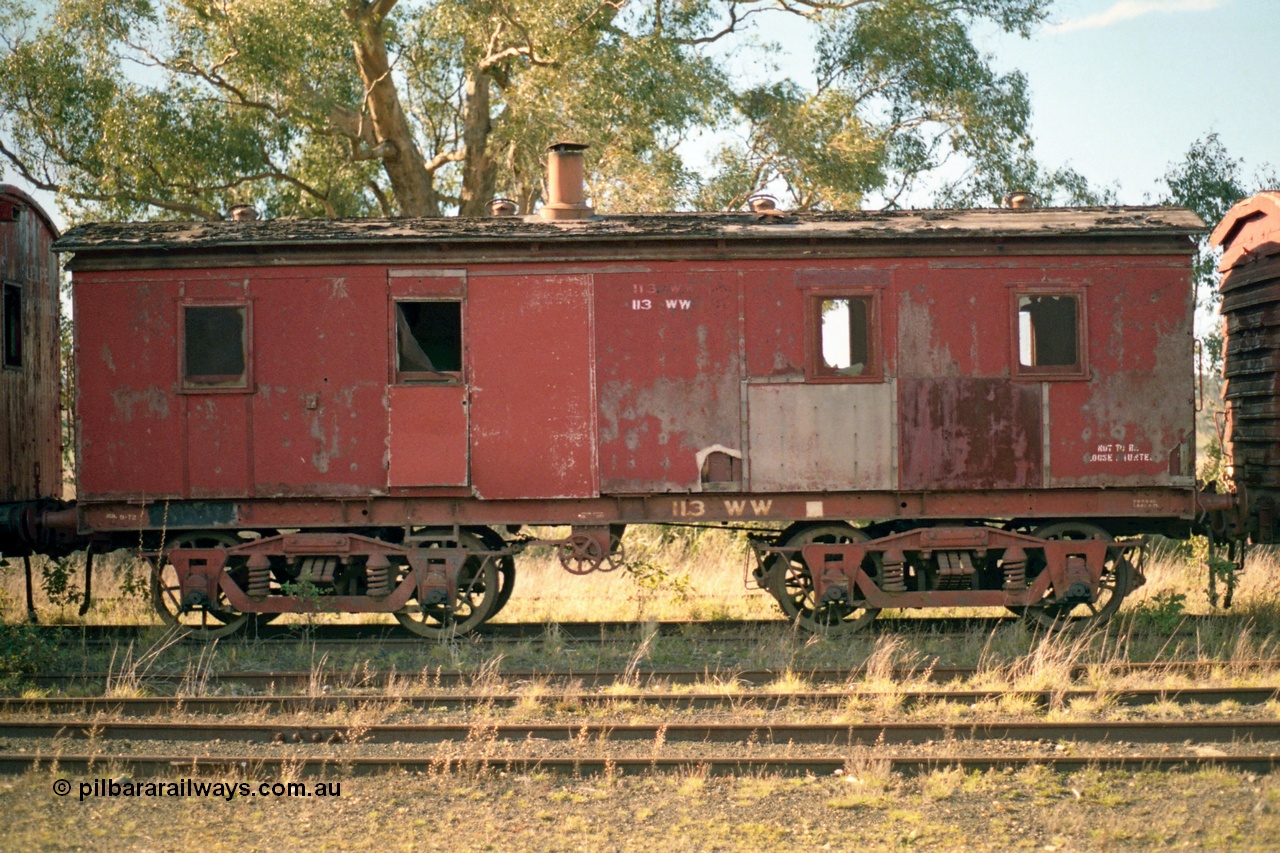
478 592
216 620
791 583
1116 582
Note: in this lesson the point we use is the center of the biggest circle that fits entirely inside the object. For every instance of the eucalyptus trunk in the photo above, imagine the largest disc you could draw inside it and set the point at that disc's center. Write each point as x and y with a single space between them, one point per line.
411 182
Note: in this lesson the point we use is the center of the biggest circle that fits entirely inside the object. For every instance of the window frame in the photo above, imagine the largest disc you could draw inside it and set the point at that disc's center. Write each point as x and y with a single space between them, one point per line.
421 377
1054 372
16 364
243 383
816 370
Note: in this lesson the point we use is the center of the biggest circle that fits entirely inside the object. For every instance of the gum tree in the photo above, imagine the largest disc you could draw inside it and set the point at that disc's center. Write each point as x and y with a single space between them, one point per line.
418 107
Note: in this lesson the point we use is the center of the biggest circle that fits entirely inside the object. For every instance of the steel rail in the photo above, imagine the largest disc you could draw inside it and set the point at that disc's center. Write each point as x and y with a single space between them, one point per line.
178 765
499 631
294 679
841 734
726 700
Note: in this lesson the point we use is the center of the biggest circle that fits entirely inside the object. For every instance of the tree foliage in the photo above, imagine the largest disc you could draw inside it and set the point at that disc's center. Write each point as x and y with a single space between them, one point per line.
139 108
1209 181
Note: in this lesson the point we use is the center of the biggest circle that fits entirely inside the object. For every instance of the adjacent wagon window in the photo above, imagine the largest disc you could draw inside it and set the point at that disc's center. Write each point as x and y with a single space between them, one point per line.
429 339
215 351
11 325
1049 334
846 346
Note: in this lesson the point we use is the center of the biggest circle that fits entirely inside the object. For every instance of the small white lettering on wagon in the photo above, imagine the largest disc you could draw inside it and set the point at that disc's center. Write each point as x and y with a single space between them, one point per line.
1120 452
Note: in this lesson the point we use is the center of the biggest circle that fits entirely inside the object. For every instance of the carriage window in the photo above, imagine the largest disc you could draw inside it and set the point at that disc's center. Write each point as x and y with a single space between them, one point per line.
11 325
429 339
214 346
844 331
1049 332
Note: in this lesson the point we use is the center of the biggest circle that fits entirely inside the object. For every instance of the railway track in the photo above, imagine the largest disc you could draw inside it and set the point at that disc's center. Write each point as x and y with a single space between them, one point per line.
293 680
274 766
392 636
726 700
839 734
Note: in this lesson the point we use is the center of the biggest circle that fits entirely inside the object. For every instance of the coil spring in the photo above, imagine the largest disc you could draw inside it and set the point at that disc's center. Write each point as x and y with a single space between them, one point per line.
259 578
894 577
377 573
1015 575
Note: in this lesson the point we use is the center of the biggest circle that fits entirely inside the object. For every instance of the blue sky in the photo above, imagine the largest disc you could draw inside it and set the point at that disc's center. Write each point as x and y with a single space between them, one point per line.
1121 88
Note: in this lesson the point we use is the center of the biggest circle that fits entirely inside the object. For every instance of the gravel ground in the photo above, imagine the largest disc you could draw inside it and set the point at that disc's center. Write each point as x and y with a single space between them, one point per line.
866 809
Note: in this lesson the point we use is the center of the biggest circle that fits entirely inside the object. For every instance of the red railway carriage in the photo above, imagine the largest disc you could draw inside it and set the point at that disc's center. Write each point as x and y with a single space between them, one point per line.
376 407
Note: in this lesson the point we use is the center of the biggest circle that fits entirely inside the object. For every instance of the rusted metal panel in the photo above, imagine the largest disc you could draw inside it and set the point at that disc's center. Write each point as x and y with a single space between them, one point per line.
960 433
669 376
821 438
1130 422
429 441
131 426
30 435
320 406
218 453
530 346
773 331
936 330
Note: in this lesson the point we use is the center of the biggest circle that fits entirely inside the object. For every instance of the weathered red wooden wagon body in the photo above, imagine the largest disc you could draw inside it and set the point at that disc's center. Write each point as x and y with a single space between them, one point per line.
970 376
914 365
30 438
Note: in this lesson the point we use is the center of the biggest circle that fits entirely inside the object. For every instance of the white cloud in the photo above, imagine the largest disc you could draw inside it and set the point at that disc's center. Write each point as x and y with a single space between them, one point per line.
1127 10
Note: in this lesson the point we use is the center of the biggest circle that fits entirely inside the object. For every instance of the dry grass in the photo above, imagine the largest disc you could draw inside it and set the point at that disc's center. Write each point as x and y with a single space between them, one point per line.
943 810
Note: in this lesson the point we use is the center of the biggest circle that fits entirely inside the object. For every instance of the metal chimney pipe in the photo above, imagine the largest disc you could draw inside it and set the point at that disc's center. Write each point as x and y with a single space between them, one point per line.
502 207
565 173
1021 200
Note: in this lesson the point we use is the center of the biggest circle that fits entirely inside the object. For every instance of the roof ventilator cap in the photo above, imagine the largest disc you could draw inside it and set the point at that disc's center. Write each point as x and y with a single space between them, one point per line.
565 182
1020 200
244 213
761 202
503 207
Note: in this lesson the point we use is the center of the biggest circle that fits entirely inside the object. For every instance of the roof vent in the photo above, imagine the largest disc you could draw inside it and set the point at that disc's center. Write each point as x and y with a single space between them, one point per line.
503 207
244 213
761 202
1020 200
565 183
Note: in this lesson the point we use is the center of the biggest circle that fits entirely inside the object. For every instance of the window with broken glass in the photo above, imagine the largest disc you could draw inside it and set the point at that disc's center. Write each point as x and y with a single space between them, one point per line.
215 347
1050 340
428 340
845 337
